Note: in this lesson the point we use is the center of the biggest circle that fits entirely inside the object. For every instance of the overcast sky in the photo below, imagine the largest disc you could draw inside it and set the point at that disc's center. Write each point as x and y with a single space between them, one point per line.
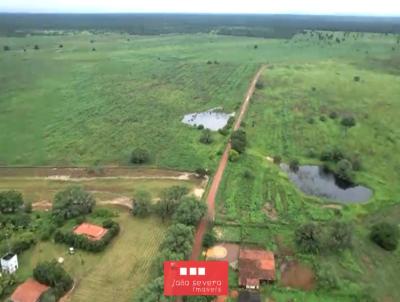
359 7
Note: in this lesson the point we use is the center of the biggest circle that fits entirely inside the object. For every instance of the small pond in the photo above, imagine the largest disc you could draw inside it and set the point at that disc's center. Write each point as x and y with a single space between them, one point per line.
313 180
213 119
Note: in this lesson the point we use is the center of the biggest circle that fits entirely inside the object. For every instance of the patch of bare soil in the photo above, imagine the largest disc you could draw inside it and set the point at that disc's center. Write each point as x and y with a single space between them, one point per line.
333 206
270 211
120 201
297 275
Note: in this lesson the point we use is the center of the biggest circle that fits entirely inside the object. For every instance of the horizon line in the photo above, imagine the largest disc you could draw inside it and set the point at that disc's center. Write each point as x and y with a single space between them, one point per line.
204 13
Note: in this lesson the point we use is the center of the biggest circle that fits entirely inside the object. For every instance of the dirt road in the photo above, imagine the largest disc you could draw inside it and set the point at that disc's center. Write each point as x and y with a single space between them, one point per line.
220 171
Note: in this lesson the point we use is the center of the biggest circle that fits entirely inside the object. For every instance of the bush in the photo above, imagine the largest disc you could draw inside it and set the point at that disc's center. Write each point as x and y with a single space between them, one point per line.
178 239
277 159
52 274
348 121
385 235
36 47
206 137
308 238
61 46
170 198
310 120
356 79
322 118
72 202
239 141
201 172
233 156
209 239
10 201
247 174
259 84
140 156
344 170
294 165
333 115
141 204
340 236
28 207
200 127
23 243
6 48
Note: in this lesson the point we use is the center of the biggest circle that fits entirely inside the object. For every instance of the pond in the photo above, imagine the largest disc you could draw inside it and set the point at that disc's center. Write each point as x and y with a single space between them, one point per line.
313 180
213 119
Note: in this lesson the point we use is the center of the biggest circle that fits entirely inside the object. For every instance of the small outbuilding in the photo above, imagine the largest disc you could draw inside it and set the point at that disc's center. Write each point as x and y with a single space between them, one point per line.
255 267
9 263
29 291
91 231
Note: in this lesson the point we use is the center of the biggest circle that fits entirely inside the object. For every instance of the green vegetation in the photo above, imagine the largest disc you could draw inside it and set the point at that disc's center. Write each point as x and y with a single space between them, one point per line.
72 202
385 235
141 204
53 275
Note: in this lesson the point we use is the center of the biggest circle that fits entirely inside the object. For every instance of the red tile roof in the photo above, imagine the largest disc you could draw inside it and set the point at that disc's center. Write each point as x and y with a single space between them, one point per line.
29 291
255 265
91 231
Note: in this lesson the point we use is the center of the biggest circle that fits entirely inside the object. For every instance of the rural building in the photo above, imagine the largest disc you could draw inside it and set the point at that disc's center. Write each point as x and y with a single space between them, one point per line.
91 231
255 266
29 291
9 263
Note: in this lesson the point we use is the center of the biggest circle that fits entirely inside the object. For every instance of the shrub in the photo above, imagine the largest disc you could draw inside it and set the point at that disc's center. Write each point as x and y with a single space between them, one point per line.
239 141
310 120
322 118
93 49
206 137
140 156
247 174
277 159
141 204
385 235
52 274
356 79
209 62
72 202
201 172
344 170
28 207
36 47
178 239
61 46
209 239
170 198
348 121
340 236
308 238
6 48
233 156
294 165
10 201
333 115
200 127
259 84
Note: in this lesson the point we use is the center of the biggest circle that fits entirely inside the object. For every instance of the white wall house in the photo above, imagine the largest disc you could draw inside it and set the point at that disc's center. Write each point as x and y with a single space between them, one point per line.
9 263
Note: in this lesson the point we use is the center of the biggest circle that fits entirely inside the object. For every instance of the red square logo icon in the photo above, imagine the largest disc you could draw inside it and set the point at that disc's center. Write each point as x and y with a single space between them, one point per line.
195 278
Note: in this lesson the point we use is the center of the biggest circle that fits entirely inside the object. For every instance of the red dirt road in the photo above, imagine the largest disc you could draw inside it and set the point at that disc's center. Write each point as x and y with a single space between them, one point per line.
198 239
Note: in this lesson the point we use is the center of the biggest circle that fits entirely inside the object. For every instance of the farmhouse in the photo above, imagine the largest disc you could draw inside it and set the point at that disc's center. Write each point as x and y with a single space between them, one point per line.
91 231
29 291
9 263
255 266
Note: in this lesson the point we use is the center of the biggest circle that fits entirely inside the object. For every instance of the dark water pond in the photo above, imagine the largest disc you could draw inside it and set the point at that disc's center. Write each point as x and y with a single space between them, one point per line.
313 180
212 119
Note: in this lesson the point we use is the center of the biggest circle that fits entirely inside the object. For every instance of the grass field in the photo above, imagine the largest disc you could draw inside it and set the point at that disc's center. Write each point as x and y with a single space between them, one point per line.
72 105
257 204
117 272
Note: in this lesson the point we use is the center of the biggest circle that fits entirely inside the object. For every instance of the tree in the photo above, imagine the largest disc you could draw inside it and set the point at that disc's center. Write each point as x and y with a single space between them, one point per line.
72 202
6 48
36 47
344 170
169 201
209 239
10 201
308 238
190 211
61 46
179 239
141 204
239 141
140 156
260 84
93 49
233 156
52 274
356 79
206 137
153 291
348 121
385 235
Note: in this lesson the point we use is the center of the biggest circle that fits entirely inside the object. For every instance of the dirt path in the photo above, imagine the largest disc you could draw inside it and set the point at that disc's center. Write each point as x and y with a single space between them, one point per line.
198 239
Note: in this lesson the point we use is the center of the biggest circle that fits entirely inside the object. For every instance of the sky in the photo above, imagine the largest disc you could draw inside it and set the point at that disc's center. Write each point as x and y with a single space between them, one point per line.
342 7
